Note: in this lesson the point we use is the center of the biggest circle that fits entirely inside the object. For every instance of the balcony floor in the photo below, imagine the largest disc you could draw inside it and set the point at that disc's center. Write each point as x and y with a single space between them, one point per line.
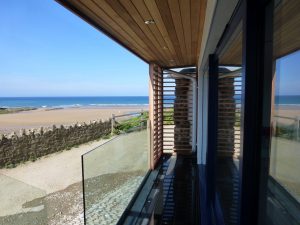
168 195
180 204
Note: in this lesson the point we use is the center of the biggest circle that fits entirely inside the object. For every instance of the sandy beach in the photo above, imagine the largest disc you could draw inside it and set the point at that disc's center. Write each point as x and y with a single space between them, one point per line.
288 111
44 117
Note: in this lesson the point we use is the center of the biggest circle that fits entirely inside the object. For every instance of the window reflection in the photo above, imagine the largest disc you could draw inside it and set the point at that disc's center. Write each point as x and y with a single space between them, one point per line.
229 123
284 181
285 153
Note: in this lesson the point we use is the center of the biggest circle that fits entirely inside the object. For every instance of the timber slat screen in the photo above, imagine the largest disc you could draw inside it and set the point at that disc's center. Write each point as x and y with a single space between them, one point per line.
168 109
230 88
156 114
171 113
228 148
177 114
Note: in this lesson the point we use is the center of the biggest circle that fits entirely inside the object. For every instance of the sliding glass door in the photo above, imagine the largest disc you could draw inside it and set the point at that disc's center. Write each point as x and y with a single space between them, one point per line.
284 180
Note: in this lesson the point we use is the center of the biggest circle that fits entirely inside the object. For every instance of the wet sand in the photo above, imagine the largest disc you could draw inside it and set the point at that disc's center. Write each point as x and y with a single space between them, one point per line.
65 116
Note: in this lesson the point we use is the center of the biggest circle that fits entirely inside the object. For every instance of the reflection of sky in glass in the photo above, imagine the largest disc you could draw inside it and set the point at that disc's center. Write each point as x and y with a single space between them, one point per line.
288 74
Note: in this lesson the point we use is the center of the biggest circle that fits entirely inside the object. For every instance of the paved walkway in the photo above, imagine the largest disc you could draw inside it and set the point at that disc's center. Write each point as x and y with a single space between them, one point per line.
52 175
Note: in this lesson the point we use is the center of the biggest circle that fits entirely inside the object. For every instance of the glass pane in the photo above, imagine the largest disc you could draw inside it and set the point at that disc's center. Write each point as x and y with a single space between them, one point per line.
284 183
229 118
112 174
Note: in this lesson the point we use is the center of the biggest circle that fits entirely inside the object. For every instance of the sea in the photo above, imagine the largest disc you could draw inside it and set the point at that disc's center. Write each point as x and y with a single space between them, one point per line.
280 100
288 100
72 102
103 101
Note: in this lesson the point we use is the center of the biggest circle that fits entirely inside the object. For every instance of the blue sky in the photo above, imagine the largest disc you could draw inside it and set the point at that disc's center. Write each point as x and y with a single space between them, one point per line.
48 51
288 74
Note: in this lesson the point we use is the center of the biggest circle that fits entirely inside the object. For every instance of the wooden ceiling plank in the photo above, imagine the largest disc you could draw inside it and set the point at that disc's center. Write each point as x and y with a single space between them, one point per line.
132 11
175 35
203 5
94 17
153 9
109 23
107 10
165 13
177 20
286 28
185 8
232 55
122 12
145 14
195 26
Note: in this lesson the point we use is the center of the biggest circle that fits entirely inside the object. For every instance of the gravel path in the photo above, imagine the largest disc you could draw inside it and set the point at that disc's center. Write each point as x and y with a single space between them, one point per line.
65 207
111 206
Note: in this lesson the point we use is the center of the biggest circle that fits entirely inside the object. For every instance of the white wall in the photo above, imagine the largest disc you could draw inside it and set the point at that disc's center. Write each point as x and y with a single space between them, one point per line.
218 14
202 118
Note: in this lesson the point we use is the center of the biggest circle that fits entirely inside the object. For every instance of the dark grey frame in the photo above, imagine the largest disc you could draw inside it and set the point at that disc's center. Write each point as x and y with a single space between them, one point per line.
256 101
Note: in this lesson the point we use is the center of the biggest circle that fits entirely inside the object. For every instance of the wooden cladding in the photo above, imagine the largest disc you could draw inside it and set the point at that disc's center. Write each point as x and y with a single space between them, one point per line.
286 34
156 114
172 38
286 28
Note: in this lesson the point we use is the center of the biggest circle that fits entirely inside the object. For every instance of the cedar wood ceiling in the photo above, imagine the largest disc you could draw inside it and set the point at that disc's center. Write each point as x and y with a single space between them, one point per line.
286 39
174 39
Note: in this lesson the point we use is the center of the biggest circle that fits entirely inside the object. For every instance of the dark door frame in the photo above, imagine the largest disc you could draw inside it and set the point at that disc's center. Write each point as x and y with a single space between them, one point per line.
257 78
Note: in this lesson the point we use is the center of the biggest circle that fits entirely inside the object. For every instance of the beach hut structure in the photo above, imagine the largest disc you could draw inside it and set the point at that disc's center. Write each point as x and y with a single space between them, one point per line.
212 78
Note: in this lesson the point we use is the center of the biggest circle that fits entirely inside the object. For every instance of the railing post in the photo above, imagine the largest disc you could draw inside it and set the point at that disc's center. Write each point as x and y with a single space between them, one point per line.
141 120
274 127
297 128
150 142
112 123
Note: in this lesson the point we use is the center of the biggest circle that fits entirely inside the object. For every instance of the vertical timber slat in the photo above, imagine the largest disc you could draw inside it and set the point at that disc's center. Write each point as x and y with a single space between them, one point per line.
155 114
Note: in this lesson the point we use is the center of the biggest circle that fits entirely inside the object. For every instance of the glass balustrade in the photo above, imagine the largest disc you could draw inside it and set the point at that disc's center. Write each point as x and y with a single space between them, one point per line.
112 174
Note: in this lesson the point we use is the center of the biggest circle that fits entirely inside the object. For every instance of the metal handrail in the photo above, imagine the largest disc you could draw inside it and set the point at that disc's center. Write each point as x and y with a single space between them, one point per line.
296 123
113 118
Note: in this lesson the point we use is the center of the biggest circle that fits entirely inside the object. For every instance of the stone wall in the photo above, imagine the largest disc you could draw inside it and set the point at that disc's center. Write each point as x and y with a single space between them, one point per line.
32 144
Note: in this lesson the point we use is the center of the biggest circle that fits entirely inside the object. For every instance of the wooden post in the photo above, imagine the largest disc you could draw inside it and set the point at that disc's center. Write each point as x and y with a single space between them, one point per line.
112 123
151 116
149 142
141 120
297 127
155 114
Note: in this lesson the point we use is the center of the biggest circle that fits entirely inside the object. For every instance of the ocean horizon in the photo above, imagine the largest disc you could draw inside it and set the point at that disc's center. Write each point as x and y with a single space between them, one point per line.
72 102
103 101
280 100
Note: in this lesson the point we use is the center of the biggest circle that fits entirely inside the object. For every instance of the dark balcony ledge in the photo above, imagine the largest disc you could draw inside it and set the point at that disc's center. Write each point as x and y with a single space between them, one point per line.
168 194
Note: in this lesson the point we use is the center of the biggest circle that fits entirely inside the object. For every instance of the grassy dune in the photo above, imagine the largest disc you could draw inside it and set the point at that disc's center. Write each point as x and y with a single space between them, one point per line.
14 110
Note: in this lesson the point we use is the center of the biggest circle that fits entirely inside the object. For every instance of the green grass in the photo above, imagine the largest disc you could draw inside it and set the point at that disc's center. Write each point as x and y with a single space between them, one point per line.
14 110
128 125
169 117
108 136
285 131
